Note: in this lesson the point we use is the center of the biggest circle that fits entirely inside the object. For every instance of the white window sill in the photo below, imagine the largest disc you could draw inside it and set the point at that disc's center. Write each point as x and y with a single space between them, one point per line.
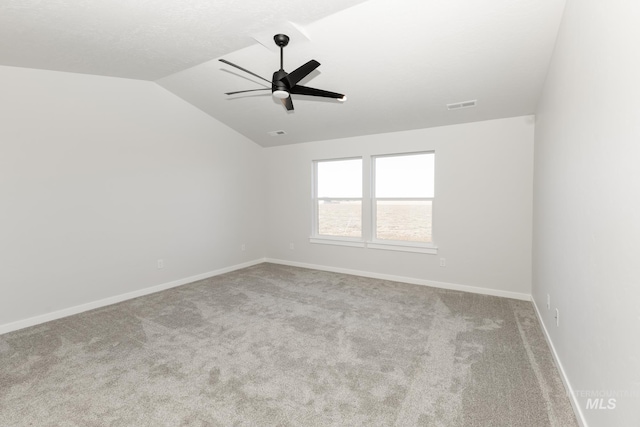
395 246
337 241
405 247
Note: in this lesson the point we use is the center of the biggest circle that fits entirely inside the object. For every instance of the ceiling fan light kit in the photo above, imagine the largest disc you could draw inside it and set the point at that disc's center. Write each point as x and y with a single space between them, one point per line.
281 94
284 84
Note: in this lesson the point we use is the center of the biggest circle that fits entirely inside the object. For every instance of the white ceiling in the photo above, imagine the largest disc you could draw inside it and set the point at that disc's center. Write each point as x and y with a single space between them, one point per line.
399 61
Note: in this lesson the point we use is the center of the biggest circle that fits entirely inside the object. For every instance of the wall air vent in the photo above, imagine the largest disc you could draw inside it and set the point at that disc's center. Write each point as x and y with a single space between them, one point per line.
277 133
465 104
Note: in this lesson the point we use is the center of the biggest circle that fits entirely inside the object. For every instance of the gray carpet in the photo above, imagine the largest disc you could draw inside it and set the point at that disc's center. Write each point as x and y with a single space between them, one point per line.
280 346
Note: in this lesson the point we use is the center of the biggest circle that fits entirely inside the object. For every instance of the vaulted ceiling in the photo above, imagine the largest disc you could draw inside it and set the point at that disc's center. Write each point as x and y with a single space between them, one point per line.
400 62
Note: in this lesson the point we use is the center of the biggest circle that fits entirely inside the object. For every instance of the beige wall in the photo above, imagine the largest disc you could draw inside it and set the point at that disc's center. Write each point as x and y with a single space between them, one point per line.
482 208
100 177
587 210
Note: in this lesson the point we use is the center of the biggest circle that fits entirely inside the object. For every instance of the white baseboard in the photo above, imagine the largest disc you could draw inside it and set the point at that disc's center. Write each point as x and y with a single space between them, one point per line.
32 321
36 320
411 280
565 380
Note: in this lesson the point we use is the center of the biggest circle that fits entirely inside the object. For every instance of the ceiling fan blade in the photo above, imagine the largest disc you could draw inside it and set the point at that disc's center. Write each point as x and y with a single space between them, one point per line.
244 69
301 72
243 91
288 103
305 90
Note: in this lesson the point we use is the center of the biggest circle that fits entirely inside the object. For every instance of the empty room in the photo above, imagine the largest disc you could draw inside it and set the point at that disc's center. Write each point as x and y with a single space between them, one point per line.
337 213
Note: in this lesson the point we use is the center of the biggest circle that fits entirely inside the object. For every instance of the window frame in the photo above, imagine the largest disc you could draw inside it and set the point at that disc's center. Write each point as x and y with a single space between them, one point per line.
368 201
316 237
375 241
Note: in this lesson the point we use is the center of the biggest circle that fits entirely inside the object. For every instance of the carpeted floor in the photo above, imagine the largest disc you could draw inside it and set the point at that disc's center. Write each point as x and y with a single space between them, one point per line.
272 345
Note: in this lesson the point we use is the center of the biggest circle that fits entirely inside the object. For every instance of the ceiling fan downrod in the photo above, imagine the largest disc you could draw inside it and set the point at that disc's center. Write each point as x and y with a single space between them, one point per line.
281 40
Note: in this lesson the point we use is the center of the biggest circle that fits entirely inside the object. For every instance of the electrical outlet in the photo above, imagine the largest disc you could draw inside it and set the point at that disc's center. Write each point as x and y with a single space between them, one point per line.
548 302
291 246
443 262
243 247
160 263
557 317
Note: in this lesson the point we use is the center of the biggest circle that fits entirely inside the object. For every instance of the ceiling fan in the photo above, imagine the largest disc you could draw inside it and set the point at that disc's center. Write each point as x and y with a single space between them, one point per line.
284 84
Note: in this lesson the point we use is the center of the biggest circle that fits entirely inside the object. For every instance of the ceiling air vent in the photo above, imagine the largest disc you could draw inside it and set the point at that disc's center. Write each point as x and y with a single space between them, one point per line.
458 105
277 132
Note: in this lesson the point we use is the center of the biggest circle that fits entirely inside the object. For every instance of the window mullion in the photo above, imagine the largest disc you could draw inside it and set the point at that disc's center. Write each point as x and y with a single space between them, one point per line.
367 188
315 226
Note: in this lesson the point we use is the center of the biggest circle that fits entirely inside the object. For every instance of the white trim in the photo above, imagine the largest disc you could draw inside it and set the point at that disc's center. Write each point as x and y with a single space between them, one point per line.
378 244
337 242
339 199
403 248
36 320
411 280
565 380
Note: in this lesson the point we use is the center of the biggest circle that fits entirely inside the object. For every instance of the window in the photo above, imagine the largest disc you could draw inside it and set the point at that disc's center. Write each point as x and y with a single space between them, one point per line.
339 198
380 202
403 197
